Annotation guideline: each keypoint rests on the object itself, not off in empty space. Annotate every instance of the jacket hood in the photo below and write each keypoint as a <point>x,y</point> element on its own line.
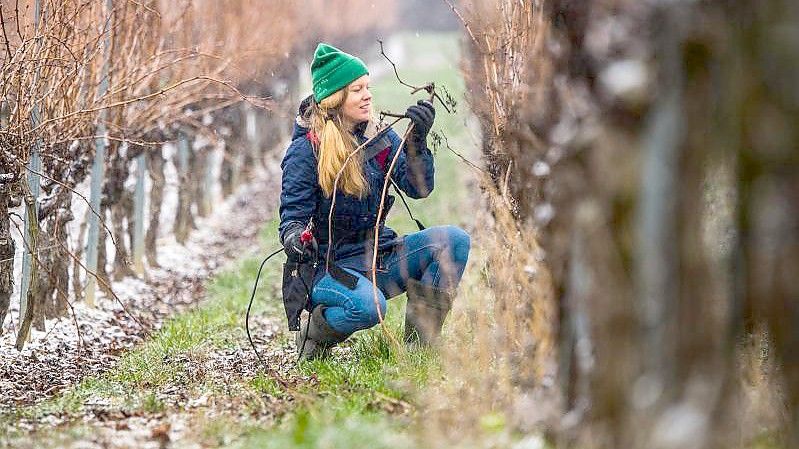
<point>300,129</point>
<point>301,123</point>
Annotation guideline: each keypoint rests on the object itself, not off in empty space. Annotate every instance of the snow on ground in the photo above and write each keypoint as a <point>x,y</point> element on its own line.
<point>107,330</point>
<point>80,211</point>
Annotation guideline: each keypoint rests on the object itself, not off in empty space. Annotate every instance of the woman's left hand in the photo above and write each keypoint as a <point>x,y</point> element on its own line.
<point>422,115</point>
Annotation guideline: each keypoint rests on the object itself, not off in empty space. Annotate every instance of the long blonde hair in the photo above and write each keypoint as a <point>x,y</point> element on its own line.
<point>335,144</point>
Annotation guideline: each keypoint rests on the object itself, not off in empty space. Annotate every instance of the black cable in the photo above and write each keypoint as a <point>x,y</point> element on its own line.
<point>252,299</point>
<point>249,306</point>
<point>402,197</point>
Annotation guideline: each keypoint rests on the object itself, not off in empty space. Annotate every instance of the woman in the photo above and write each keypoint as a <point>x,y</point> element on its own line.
<point>428,265</point>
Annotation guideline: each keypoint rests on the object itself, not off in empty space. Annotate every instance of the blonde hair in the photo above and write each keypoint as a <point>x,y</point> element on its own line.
<point>335,144</point>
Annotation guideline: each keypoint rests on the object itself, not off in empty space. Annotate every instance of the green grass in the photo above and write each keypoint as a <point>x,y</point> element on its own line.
<point>354,388</point>
<point>133,383</point>
<point>321,428</point>
<point>266,385</point>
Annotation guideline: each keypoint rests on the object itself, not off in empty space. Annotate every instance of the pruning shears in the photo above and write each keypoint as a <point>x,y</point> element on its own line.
<point>307,238</point>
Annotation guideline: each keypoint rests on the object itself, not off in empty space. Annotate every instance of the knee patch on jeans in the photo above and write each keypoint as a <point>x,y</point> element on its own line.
<point>461,243</point>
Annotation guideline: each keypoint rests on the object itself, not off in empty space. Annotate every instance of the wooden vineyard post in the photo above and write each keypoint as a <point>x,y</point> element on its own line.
<point>253,140</point>
<point>208,181</point>
<point>138,215</point>
<point>183,218</point>
<point>31,236</point>
<point>31,220</point>
<point>98,168</point>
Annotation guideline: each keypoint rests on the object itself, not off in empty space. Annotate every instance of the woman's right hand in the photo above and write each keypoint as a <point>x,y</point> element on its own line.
<point>296,248</point>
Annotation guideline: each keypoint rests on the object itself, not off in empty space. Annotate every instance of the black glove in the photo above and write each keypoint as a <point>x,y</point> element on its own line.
<point>422,115</point>
<point>295,249</point>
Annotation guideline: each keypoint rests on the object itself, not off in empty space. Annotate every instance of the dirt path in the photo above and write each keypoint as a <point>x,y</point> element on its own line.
<point>55,360</point>
<point>188,407</point>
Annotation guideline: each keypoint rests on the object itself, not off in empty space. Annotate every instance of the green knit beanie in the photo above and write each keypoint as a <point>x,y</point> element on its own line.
<point>333,69</point>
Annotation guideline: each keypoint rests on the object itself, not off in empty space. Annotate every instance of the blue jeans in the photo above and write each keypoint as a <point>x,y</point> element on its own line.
<point>436,256</point>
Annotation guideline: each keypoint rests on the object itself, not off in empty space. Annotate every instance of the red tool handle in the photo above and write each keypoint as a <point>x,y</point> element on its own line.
<point>307,235</point>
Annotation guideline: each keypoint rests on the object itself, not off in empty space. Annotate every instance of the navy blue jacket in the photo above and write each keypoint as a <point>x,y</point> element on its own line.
<point>354,219</point>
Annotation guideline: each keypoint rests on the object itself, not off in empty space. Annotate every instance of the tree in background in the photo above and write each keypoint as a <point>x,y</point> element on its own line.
<point>651,148</point>
<point>129,77</point>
